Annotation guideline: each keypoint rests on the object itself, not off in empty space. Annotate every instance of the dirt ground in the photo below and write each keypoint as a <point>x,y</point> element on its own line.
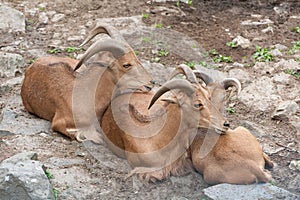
<point>212,24</point>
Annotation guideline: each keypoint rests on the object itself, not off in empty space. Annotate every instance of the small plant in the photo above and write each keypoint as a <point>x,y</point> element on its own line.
<point>297,59</point>
<point>41,9</point>
<point>190,2</point>
<point>48,174</point>
<point>220,58</point>
<point>146,16</point>
<point>163,53</point>
<point>178,3</point>
<point>55,192</point>
<point>230,110</point>
<point>191,64</point>
<point>33,60</point>
<point>136,52</point>
<point>293,73</point>
<point>71,49</point>
<point>158,25</point>
<point>231,44</point>
<point>263,54</point>
<point>296,46</point>
<point>146,39</point>
<point>296,29</point>
<point>54,51</point>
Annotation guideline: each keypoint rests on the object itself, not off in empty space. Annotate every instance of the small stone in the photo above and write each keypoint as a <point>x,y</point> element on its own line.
<point>257,23</point>
<point>285,110</point>
<point>43,18</point>
<point>241,41</point>
<point>57,17</point>
<point>295,165</point>
<point>10,64</point>
<point>267,30</point>
<point>280,47</point>
<point>75,38</point>
<point>276,53</point>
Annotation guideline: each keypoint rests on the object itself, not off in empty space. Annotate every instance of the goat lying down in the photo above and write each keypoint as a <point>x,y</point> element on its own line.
<point>75,101</point>
<point>236,156</point>
<point>155,142</point>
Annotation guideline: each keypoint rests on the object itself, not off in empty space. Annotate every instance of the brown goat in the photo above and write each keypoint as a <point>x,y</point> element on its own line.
<point>75,101</point>
<point>235,157</point>
<point>155,144</point>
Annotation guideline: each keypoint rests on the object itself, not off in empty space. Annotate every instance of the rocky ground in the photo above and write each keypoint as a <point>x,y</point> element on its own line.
<point>218,37</point>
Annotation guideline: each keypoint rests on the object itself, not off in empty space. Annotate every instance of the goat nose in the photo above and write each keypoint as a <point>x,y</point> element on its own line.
<point>152,82</point>
<point>226,124</point>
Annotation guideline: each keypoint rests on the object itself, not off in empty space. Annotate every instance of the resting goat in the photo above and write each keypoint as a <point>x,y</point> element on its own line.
<point>236,157</point>
<point>74,101</point>
<point>155,144</point>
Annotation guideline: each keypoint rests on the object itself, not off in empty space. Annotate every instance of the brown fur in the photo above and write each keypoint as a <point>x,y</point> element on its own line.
<point>48,91</point>
<point>133,133</point>
<point>236,158</point>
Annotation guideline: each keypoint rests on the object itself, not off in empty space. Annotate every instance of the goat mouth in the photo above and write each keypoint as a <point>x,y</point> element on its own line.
<point>220,131</point>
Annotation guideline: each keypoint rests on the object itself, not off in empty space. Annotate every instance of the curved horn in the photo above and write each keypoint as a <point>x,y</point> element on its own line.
<point>116,47</point>
<point>206,78</point>
<point>173,84</point>
<point>232,82</point>
<point>185,70</point>
<point>103,28</point>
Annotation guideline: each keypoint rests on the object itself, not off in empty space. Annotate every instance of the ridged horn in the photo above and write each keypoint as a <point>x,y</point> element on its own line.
<point>185,70</point>
<point>182,84</point>
<point>232,82</point>
<point>203,76</point>
<point>117,48</point>
<point>106,29</point>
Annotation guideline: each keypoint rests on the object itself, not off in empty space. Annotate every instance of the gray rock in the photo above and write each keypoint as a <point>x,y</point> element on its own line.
<point>294,183</point>
<point>248,192</point>
<point>281,78</point>
<point>257,23</point>
<point>285,110</point>
<point>10,64</point>
<point>240,74</point>
<point>276,53</point>
<point>241,41</point>
<point>159,72</point>
<point>283,65</point>
<point>295,121</point>
<point>12,82</point>
<point>11,20</point>
<point>75,38</point>
<point>261,94</point>
<point>164,1</point>
<point>16,120</point>
<point>57,17</point>
<point>268,29</point>
<point>22,177</point>
<point>43,18</point>
<point>295,165</point>
<point>253,128</point>
<point>135,31</point>
<point>55,162</point>
<point>280,47</point>
<point>271,148</point>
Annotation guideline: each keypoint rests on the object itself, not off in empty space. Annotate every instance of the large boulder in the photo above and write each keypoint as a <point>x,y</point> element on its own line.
<point>11,20</point>
<point>22,177</point>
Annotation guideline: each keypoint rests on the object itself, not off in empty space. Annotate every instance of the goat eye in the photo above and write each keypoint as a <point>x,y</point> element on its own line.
<point>198,105</point>
<point>127,65</point>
